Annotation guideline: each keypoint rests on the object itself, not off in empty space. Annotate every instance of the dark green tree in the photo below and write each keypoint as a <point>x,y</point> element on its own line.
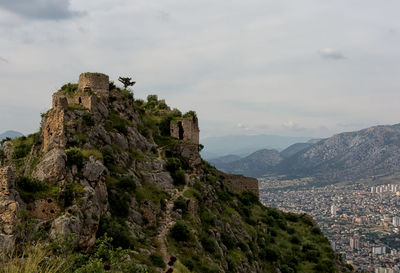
<point>126,81</point>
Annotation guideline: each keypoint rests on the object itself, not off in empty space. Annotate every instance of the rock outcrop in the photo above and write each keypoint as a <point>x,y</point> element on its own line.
<point>10,204</point>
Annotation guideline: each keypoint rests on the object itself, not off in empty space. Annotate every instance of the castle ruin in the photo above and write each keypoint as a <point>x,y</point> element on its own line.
<point>90,87</point>
<point>240,183</point>
<point>185,129</point>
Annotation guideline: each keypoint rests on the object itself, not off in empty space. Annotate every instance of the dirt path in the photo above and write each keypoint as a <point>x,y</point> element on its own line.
<point>167,223</point>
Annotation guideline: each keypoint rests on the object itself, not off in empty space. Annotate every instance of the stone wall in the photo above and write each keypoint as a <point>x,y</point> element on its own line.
<point>60,100</point>
<point>240,183</point>
<point>185,129</point>
<point>96,82</point>
<point>53,129</point>
<point>9,207</point>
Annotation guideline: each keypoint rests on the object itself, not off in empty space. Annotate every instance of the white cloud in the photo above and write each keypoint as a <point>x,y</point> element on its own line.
<point>329,53</point>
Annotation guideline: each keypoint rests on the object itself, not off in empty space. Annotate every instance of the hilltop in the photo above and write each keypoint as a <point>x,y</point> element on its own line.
<point>113,183</point>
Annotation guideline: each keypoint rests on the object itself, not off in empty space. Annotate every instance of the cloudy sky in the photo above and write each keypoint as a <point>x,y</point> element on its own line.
<point>296,68</point>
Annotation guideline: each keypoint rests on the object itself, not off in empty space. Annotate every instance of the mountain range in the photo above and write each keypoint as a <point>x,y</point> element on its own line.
<point>243,145</point>
<point>366,153</point>
<point>10,134</point>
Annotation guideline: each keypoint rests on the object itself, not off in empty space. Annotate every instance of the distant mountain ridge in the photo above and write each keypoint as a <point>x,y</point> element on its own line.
<point>369,152</point>
<point>244,145</point>
<point>10,134</point>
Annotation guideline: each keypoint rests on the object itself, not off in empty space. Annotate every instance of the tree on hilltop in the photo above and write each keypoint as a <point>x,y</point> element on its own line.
<point>126,81</point>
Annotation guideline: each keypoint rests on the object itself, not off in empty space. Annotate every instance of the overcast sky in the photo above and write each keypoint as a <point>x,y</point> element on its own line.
<point>296,68</point>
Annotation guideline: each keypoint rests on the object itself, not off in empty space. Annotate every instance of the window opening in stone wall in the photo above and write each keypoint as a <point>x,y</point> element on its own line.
<point>180,126</point>
<point>80,100</point>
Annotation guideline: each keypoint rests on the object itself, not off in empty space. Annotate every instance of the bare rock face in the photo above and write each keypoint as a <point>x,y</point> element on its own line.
<point>93,170</point>
<point>9,206</point>
<point>53,130</point>
<point>52,167</point>
<point>83,221</point>
<point>190,153</point>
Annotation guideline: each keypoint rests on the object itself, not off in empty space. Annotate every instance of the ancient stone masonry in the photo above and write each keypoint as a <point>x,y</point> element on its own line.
<point>9,207</point>
<point>241,183</point>
<point>185,129</point>
<point>95,82</point>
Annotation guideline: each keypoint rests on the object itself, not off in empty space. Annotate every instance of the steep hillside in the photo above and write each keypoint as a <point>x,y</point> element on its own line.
<point>254,165</point>
<point>370,152</point>
<point>294,149</point>
<point>366,153</point>
<point>112,183</point>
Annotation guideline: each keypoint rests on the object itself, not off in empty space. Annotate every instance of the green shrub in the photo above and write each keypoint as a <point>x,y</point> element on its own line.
<point>180,232</point>
<point>31,189</point>
<point>88,119</point>
<point>69,88</point>
<point>21,150</point>
<point>157,260</point>
<point>127,183</point>
<point>188,262</point>
<point>248,198</point>
<point>108,156</point>
<point>206,217</point>
<point>116,229</point>
<point>180,203</point>
<point>207,242</point>
<point>74,157</point>
<point>71,191</point>
<point>119,203</point>
<point>270,254</point>
<point>316,230</point>
<point>227,240</point>
<point>119,123</point>
<point>179,177</point>
<point>295,240</point>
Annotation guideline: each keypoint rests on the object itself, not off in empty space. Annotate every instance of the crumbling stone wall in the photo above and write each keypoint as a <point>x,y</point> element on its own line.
<point>9,207</point>
<point>96,82</point>
<point>240,183</point>
<point>60,100</point>
<point>44,209</point>
<point>185,129</point>
<point>53,129</point>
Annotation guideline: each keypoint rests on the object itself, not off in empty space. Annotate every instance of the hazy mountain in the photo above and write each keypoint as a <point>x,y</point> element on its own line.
<point>294,149</point>
<point>370,152</point>
<point>224,159</point>
<point>244,145</point>
<point>10,134</point>
<point>254,165</point>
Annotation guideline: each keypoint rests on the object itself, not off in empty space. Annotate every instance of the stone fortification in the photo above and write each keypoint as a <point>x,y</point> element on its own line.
<point>240,183</point>
<point>83,99</point>
<point>96,82</point>
<point>185,129</point>
<point>9,207</point>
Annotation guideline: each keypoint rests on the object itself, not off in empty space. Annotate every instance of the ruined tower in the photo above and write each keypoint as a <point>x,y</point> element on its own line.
<point>185,129</point>
<point>98,83</point>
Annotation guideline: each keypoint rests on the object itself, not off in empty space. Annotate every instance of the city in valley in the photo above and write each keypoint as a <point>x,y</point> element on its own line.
<point>361,219</point>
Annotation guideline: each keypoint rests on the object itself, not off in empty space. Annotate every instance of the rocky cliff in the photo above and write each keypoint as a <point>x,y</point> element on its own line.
<point>107,188</point>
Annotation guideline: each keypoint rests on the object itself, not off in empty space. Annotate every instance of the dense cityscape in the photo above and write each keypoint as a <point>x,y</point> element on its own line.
<point>361,220</point>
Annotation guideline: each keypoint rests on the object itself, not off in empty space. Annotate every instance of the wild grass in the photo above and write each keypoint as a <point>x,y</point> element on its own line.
<point>32,259</point>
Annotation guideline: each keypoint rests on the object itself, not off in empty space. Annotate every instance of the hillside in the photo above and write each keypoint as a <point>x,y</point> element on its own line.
<point>244,145</point>
<point>366,153</point>
<point>254,165</point>
<point>370,152</point>
<point>112,183</point>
